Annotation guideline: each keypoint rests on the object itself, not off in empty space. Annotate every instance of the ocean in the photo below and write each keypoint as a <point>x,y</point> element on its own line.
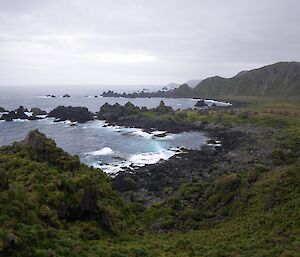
<point>110,148</point>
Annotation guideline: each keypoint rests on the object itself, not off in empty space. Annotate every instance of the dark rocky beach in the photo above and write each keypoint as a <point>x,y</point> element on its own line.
<point>232,147</point>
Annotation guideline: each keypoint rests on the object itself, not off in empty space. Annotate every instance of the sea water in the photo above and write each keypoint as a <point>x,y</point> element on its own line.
<point>110,148</point>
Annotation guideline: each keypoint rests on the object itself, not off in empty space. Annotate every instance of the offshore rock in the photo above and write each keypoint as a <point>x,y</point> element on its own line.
<point>79,114</point>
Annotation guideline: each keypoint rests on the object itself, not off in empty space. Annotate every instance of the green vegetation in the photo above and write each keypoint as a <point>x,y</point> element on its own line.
<point>255,214</point>
<point>50,202</point>
<point>276,80</point>
<point>51,205</point>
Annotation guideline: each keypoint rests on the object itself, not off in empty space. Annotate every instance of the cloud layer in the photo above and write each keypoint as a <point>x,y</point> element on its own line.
<point>142,42</point>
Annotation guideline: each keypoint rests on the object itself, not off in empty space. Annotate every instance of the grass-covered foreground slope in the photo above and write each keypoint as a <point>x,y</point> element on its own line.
<point>51,205</point>
<point>254,214</point>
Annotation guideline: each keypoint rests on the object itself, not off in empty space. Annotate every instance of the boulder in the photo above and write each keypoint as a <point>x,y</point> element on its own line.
<point>37,111</point>
<point>8,116</point>
<point>201,103</point>
<point>66,95</point>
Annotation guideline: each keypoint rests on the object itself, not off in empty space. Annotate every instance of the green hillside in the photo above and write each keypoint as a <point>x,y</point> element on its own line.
<point>276,80</point>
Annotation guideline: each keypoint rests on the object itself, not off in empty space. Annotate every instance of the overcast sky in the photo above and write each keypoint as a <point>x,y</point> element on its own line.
<point>142,41</point>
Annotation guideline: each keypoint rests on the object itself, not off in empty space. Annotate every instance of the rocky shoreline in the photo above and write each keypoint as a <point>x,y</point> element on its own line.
<point>231,148</point>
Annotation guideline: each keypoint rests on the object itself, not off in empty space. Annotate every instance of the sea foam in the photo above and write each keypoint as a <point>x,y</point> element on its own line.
<point>143,159</point>
<point>142,133</point>
<point>103,151</point>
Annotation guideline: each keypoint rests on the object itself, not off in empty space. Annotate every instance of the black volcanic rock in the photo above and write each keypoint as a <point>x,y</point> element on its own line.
<point>21,109</point>
<point>13,115</point>
<point>2,109</point>
<point>8,116</point>
<point>79,114</point>
<point>66,95</point>
<point>17,114</point>
<point>110,93</point>
<point>37,111</point>
<point>201,103</point>
<point>21,113</point>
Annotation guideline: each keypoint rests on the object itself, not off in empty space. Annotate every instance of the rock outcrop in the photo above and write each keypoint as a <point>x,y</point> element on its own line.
<point>201,103</point>
<point>79,114</point>
<point>3,110</point>
<point>17,114</point>
<point>21,109</point>
<point>41,148</point>
<point>112,113</point>
<point>37,111</point>
<point>133,116</point>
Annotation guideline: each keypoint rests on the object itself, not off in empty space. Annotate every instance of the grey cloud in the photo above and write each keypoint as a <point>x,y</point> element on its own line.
<point>142,42</point>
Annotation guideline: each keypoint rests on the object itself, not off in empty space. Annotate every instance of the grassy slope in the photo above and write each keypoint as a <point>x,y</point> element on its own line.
<point>35,181</point>
<point>239,214</point>
<point>263,221</point>
<point>277,80</point>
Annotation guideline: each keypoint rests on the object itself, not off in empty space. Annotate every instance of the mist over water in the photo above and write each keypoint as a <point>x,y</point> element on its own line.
<point>83,89</point>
